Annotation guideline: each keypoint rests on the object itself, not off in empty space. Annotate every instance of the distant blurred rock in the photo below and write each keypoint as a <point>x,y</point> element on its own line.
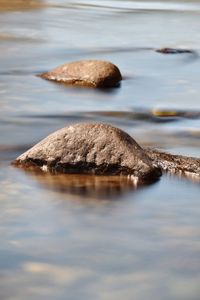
<point>174,51</point>
<point>90,148</point>
<point>93,73</point>
<point>20,5</point>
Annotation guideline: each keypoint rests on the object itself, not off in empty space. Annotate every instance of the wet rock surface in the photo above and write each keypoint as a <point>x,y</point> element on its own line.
<point>175,164</point>
<point>91,73</point>
<point>90,148</point>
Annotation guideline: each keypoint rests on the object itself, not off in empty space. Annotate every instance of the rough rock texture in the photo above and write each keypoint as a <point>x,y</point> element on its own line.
<point>90,148</point>
<point>94,73</point>
<point>183,165</point>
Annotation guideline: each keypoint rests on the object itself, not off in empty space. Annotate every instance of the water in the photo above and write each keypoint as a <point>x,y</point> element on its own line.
<point>82,237</point>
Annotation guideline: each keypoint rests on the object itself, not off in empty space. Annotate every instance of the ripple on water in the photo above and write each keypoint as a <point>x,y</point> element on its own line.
<point>134,5</point>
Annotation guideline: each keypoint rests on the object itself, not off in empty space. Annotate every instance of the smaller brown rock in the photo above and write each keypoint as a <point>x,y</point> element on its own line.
<point>92,73</point>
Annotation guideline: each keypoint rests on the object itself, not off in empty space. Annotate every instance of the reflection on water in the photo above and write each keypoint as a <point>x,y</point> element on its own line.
<point>87,186</point>
<point>146,244</point>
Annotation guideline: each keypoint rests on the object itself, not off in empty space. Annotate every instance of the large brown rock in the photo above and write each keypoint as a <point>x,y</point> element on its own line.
<point>90,148</point>
<point>94,73</point>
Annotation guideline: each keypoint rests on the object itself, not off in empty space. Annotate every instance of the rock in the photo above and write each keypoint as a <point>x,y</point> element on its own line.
<point>92,73</point>
<point>176,164</point>
<point>174,51</point>
<point>90,148</point>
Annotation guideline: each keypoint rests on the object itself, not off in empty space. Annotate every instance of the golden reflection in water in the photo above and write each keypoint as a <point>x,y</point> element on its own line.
<point>86,186</point>
<point>59,275</point>
<point>14,5</point>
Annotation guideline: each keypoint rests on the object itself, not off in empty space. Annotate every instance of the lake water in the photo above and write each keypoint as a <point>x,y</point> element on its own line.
<point>87,237</point>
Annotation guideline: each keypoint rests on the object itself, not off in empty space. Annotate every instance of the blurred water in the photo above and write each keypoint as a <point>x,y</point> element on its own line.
<point>87,237</point>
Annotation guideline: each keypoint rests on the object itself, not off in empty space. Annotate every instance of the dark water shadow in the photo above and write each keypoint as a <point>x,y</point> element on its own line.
<point>71,117</point>
<point>139,115</point>
<point>186,54</point>
<point>113,50</point>
<point>131,117</point>
<point>145,115</point>
<point>154,116</point>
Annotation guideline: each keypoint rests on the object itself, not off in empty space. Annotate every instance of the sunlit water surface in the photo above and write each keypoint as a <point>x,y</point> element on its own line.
<point>81,237</point>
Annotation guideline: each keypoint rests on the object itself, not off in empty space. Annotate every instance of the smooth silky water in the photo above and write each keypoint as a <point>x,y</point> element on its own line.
<point>86,237</point>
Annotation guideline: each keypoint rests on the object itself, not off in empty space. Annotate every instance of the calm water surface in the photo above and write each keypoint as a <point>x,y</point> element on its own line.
<point>81,237</point>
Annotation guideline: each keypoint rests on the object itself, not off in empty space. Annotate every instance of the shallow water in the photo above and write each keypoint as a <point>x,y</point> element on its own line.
<point>82,237</point>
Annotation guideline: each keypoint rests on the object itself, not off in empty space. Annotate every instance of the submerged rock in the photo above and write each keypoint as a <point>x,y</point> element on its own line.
<point>94,73</point>
<point>90,148</point>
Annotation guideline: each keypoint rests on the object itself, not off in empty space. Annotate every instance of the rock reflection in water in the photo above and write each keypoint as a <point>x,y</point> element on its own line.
<point>87,186</point>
